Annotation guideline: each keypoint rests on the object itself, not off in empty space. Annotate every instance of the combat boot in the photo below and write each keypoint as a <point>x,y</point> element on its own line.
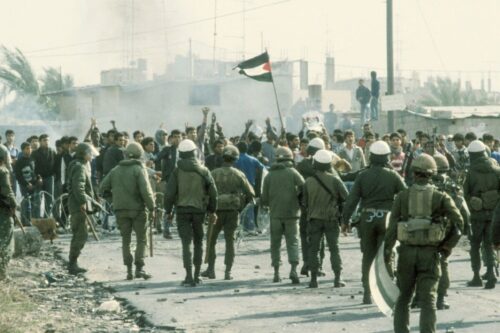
<point>188,281</point>
<point>74,269</point>
<point>367,298</point>
<point>304,270</point>
<point>140,273</point>
<point>441,303</point>
<point>130,276</point>
<point>314,280</point>
<point>293,274</point>
<point>196,277</point>
<point>321,272</point>
<point>476,281</point>
<point>338,283</point>
<point>227,274</point>
<point>491,279</point>
<point>209,273</point>
<point>277,277</point>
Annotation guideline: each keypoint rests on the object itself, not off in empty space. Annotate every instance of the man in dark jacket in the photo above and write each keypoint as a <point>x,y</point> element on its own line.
<point>363,96</point>
<point>114,154</point>
<point>192,190</point>
<point>481,191</point>
<point>44,158</point>
<point>375,96</point>
<point>374,189</point>
<point>24,170</point>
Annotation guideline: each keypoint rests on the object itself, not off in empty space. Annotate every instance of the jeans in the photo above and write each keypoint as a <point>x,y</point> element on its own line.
<point>26,207</point>
<point>374,108</point>
<point>365,113</point>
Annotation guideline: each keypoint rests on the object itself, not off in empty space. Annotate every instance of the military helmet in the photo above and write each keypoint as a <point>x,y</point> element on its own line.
<point>231,151</point>
<point>4,153</point>
<point>476,146</point>
<point>442,163</point>
<point>424,163</point>
<point>284,153</point>
<point>380,148</point>
<point>134,150</point>
<point>83,149</point>
<point>323,156</point>
<point>186,146</point>
<point>317,143</point>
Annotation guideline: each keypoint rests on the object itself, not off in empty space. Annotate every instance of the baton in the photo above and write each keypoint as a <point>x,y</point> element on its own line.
<point>151,233</point>
<point>210,231</point>
<point>16,220</point>
<point>91,226</point>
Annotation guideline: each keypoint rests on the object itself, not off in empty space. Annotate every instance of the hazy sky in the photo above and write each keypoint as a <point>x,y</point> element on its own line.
<point>457,37</point>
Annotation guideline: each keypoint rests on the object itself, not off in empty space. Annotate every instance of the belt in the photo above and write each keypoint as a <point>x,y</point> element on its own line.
<point>374,210</point>
<point>374,213</point>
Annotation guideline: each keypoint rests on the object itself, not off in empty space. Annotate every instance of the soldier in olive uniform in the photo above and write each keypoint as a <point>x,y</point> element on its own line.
<point>306,170</point>
<point>481,190</point>
<point>324,193</point>
<point>426,222</point>
<point>234,192</point>
<point>79,190</point>
<point>374,188</point>
<point>192,190</point>
<point>133,199</point>
<point>281,193</point>
<point>7,209</point>
<point>445,184</point>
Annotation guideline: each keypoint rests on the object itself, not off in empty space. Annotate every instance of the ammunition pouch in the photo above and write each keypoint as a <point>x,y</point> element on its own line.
<point>420,232</point>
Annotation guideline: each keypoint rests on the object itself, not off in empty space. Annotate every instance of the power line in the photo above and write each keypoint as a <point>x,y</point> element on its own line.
<point>175,26</point>
<point>430,35</point>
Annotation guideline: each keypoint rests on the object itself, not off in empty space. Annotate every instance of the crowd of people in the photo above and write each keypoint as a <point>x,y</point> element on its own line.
<point>315,184</point>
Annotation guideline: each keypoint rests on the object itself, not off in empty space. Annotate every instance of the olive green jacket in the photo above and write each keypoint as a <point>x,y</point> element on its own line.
<point>7,195</point>
<point>282,191</point>
<point>318,203</point>
<point>79,186</point>
<point>129,185</point>
<point>374,187</point>
<point>231,181</point>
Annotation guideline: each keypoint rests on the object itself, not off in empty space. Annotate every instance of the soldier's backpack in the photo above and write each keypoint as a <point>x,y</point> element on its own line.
<point>420,229</point>
<point>227,198</point>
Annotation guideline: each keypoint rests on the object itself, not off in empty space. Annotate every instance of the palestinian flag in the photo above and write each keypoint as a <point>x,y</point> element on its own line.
<point>257,68</point>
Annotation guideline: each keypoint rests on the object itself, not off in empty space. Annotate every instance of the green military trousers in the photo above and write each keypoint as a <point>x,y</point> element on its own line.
<point>315,231</point>
<point>227,221</point>
<point>190,227</point>
<point>80,234</point>
<point>290,228</point>
<point>6,232</point>
<point>444,280</point>
<point>372,233</point>
<point>417,265</point>
<point>128,221</point>
<point>481,236</point>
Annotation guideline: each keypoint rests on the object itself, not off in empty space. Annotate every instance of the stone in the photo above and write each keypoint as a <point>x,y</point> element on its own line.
<point>111,306</point>
<point>29,243</point>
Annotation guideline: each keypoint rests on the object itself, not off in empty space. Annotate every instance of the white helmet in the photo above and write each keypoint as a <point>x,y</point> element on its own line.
<point>323,156</point>
<point>476,146</point>
<point>380,148</point>
<point>186,146</point>
<point>317,143</point>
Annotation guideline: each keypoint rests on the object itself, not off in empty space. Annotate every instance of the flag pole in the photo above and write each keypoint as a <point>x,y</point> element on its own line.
<point>276,98</point>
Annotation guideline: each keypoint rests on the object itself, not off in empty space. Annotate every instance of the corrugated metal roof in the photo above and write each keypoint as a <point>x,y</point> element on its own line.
<point>461,112</point>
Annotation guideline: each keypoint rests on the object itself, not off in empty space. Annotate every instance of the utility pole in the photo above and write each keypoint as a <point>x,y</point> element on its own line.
<point>390,66</point>
<point>390,55</point>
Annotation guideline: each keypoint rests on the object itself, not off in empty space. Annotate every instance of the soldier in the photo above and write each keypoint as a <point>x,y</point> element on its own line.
<point>374,188</point>
<point>324,193</point>
<point>234,192</point>
<point>7,209</point>
<point>192,190</point>
<point>445,184</point>
<point>79,190</point>
<point>418,222</point>
<point>306,170</point>
<point>481,186</point>
<point>281,193</point>
<point>133,199</point>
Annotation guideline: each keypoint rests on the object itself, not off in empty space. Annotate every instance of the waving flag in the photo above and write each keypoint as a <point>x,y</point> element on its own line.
<point>257,68</point>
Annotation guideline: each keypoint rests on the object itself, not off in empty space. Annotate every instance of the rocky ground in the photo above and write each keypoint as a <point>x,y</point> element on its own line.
<point>42,297</point>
